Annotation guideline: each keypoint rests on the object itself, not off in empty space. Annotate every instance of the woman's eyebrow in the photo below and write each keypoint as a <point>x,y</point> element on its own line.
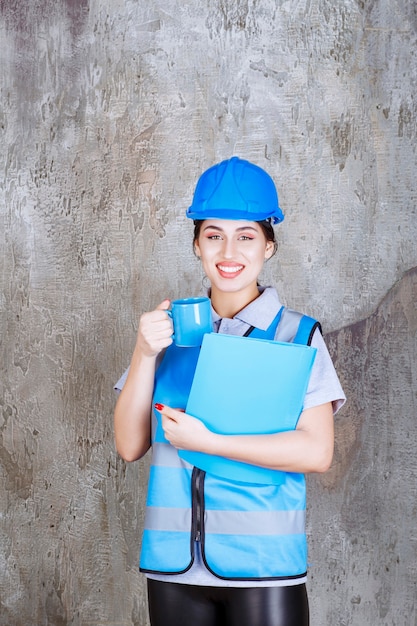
<point>241,228</point>
<point>247,228</point>
<point>212,228</point>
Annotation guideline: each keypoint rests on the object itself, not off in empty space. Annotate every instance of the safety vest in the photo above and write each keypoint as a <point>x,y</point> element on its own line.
<point>247,531</point>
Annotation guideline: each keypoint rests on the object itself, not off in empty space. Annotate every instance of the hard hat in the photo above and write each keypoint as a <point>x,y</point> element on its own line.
<point>235,190</point>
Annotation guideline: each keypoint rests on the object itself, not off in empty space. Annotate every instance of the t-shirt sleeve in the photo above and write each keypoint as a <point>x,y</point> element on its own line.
<point>119,385</point>
<point>324,385</point>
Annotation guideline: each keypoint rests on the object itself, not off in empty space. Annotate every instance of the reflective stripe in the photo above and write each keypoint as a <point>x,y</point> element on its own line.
<point>255,522</point>
<point>165,455</point>
<point>288,325</point>
<point>163,518</point>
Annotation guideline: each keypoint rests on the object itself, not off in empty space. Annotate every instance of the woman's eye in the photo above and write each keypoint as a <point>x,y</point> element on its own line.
<point>218,236</point>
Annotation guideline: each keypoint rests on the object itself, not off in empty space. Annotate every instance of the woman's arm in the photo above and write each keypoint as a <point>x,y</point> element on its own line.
<point>309,448</point>
<point>132,415</point>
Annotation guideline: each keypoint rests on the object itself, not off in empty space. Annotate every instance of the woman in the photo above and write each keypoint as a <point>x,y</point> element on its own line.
<point>255,575</point>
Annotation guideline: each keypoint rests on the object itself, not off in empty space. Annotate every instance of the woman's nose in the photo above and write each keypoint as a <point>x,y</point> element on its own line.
<point>228,248</point>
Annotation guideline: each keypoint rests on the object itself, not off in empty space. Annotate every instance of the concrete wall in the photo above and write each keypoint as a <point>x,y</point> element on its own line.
<point>109,111</point>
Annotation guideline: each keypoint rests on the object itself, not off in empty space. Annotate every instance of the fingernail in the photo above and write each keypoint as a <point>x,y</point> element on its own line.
<point>158,406</point>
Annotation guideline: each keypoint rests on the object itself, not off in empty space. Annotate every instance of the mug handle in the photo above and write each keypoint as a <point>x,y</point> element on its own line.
<point>169,313</point>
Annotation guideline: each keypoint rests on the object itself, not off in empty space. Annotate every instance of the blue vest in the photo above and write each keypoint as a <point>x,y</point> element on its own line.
<point>246,531</point>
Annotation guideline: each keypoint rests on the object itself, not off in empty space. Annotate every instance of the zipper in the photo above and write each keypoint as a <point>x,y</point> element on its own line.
<point>198,502</point>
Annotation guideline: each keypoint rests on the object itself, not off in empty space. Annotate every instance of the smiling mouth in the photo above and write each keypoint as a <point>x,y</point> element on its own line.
<point>229,270</point>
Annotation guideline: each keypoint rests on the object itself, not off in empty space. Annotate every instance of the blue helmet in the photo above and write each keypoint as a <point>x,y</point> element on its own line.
<point>235,190</point>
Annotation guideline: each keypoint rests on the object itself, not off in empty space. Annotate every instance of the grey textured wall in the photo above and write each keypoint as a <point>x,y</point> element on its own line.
<point>109,111</point>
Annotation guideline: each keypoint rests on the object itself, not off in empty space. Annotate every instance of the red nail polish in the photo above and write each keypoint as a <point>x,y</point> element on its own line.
<point>158,406</point>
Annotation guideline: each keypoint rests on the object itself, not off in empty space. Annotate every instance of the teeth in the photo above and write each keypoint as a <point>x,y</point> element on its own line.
<point>230,270</point>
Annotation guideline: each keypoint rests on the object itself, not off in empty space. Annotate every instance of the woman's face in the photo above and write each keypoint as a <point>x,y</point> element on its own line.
<point>233,253</point>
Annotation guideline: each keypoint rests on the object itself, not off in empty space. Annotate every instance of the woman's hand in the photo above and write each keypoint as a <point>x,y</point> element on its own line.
<point>183,431</point>
<point>155,330</point>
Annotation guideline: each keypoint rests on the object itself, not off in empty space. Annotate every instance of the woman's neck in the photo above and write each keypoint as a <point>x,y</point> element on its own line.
<point>227,304</point>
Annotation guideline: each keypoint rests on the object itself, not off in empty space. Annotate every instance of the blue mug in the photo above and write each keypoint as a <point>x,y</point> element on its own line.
<point>191,318</point>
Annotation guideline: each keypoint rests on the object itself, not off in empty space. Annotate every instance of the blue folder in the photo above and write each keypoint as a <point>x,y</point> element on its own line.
<point>246,386</point>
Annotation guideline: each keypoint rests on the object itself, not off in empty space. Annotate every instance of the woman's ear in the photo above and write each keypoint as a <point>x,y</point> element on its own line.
<point>269,249</point>
<point>197,250</point>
